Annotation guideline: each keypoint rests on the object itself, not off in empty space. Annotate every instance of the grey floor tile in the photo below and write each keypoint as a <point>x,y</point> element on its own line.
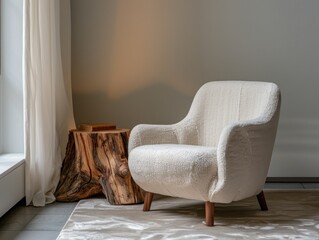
<point>14,222</point>
<point>62,205</point>
<point>24,210</point>
<point>9,235</point>
<point>47,223</point>
<point>50,209</point>
<point>57,209</point>
<point>29,235</point>
<point>311,185</point>
<point>283,186</point>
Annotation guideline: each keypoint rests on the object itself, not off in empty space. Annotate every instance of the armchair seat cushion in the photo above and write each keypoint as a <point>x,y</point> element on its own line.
<point>174,169</point>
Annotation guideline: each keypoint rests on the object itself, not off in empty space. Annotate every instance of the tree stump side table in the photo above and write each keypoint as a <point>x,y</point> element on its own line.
<point>97,162</point>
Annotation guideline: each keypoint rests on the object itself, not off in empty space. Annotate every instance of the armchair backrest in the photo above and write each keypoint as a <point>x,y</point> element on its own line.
<point>218,104</point>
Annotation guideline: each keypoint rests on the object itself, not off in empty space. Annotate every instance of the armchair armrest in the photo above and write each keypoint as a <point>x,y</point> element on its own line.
<point>183,132</point>
<point>243,157</point>
<point>144,134</point>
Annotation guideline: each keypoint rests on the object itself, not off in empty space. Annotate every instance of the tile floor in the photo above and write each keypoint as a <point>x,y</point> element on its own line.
<point>46,223</point>
<point>43,223</point>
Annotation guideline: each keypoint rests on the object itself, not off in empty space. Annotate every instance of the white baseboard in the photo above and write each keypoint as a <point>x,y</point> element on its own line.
<point>293,179</point>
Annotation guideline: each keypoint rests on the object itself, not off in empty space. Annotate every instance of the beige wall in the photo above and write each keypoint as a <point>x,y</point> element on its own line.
<point>142,62</point>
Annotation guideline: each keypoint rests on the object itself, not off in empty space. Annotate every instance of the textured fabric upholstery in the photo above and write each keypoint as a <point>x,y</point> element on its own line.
<point>230,131</point>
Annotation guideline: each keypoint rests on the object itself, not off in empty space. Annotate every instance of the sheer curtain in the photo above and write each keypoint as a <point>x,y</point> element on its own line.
<point>47,95</point>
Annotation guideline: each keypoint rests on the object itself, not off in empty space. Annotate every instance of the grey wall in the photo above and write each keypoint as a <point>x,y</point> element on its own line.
<point>142,62</point>
<point>11,96</point>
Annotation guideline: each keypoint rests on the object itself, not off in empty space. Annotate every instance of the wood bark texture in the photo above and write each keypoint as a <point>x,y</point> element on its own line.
<point>97,162</point>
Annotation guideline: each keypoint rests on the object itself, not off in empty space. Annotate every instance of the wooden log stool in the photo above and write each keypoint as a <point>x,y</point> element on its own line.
<point>97,162</point>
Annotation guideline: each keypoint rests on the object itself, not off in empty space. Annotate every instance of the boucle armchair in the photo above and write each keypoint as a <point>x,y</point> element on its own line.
<point>219,153</point>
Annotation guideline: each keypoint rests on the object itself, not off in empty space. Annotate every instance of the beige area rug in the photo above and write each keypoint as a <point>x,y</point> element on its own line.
<point>291,215</point>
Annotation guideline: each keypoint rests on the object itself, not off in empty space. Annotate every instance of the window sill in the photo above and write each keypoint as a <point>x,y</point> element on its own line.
<point>9,162</point>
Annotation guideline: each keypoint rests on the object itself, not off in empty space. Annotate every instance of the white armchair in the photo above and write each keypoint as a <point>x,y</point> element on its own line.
<point>219,153</point>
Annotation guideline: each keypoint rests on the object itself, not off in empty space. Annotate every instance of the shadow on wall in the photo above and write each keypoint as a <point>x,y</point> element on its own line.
<point>135,62</point>
<point>162,103</point>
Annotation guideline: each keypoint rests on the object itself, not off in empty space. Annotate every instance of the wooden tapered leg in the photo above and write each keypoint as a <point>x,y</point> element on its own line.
<point>209,213</point>
<point>147,201</point>
<point>262,201</point>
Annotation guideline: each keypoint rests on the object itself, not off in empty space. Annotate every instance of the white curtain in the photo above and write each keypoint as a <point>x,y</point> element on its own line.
<point>47,95</point>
